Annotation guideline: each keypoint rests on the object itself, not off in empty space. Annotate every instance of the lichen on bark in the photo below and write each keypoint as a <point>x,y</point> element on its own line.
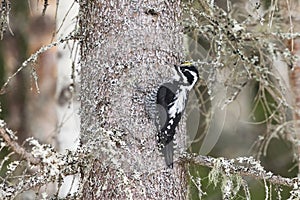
<point>128,49</point>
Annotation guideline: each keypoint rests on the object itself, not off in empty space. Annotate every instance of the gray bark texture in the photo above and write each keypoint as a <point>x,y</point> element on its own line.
<point>128,49</point>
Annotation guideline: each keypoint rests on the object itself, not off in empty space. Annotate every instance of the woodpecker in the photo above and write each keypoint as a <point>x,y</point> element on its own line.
<point>171,100</point>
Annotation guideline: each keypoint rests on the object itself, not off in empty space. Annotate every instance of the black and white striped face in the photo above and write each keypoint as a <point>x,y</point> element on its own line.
<point>187,74</point>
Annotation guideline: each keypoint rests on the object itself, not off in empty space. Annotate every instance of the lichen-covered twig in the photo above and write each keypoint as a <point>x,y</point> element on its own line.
<point>4,17</point>
<point>34,57</point>
<point>243,166</point>
<point>10,140</point>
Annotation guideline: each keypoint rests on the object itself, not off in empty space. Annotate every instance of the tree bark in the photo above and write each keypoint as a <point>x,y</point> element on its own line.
<point>128,49</point>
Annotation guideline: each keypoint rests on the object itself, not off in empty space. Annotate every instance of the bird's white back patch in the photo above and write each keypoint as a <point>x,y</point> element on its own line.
<point>178,106</point>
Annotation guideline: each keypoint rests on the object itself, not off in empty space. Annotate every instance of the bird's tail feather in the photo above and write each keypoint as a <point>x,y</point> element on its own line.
<point>168,152</point>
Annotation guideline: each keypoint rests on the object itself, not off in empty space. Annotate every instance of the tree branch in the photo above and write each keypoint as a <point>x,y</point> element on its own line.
<point>34,57</point>
<point>16,147</point>
<point>242,166</point>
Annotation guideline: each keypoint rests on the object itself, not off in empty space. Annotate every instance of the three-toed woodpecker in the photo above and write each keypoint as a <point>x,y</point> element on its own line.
<point>171,99</point>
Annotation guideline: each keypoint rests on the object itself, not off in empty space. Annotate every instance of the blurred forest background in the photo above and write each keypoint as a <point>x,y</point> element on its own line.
<point>49,111</point>
<point>32,109</point>
<point>255,124</point>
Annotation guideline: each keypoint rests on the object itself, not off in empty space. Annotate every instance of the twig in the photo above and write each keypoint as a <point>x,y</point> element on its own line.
<point>240,169</point>
<point>34,57</point>
<point>17,148</point>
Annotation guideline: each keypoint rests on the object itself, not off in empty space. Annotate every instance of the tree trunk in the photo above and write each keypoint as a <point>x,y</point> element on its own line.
<point>128,50</point>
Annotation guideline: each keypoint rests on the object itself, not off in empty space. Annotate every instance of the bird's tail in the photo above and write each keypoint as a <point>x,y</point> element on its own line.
<point>168,152</point>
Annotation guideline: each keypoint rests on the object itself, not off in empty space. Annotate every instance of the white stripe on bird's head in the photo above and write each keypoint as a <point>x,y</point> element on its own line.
<point>178,75</point>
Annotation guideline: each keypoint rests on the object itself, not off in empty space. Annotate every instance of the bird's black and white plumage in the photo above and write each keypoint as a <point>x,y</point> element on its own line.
<point>171,101</point>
